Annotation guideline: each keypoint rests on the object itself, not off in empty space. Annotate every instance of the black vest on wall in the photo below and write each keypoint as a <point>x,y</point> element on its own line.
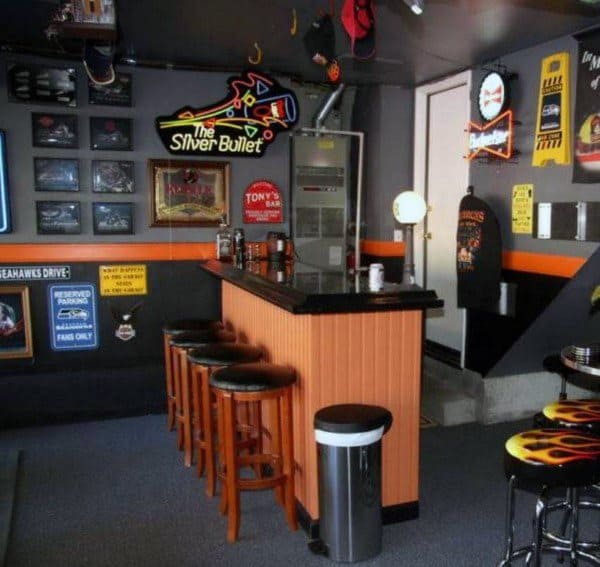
<point>478,254</point>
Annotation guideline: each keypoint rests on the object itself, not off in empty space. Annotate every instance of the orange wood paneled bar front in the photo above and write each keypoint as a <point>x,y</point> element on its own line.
<point>370,358</point>
<point>346,347</point>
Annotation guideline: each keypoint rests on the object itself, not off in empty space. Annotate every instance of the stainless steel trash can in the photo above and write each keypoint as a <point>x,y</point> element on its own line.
<point>349,469</point>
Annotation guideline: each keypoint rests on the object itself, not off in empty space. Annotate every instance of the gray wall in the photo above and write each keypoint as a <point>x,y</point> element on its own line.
<point>155,92</point>
<point>386,115</point>
<point>493,182</point>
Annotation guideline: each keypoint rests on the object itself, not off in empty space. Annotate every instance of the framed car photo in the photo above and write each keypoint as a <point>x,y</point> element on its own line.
<point>15,322</point>
<point>111,133</point>
<point>118,93</point>
<point>54,130</point>
<point>112,218</point>
<point>112,176</point>
<point>58,217</point>
<point>56,174</point>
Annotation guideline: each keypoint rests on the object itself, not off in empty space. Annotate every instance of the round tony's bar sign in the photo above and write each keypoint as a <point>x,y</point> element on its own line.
<point>493,97</point>
<point>262,203</point>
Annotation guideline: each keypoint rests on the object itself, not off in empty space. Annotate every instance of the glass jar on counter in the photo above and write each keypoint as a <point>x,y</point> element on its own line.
<point>224,242</point>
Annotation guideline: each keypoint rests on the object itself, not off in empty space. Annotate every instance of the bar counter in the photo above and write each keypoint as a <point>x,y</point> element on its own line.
<point>347,345</point>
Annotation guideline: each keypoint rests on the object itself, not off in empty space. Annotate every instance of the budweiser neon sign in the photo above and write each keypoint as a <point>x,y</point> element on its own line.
<point>494,138</point>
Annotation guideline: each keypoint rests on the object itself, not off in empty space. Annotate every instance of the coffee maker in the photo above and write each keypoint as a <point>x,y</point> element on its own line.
<point>276,243</point>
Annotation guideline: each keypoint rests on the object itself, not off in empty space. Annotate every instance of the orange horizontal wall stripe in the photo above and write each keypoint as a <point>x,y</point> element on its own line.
<point>133,252</point>
<point>547,264</point>
<point>533,262</point>
<point>382,248</point>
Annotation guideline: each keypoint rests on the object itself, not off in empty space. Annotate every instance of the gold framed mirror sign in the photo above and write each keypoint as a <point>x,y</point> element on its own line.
<point>188,193</point>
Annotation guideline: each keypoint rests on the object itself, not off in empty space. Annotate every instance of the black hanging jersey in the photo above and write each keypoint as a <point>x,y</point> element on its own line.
<point>478,254</point>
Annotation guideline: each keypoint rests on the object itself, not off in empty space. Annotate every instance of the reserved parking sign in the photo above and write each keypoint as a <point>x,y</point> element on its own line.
<point>73,317</point>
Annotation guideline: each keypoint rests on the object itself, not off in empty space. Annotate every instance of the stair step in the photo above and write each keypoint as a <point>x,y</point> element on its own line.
<point>448,397</point>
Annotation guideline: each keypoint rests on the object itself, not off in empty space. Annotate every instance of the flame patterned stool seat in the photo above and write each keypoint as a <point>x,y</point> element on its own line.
<point>203,361</point>
<point>171,329</point>
<point>576,414</point>
<point>543,459</point>
<point>264,383</point>
<point>179,345</point>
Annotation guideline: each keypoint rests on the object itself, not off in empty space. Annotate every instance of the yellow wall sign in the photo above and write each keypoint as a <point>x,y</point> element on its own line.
<point>522,209</point>
<point>123,279</point>
<point>552,132</point>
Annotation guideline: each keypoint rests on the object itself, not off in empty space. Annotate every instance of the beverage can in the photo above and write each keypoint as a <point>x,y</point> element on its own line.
<point>375,277</point>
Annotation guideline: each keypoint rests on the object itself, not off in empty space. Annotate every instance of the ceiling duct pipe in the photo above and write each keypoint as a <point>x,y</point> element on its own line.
<point>328,105</point>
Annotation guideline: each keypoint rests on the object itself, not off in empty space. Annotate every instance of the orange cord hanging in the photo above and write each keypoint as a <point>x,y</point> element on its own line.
<point>294,26</point>
<point>258,57</point>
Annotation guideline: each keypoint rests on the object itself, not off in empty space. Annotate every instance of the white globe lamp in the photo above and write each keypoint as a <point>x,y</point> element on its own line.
<point>409,208</point>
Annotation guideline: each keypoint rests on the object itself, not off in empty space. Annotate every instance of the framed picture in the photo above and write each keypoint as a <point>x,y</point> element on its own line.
<point>5,218</point>
<point>36,84</point>
<point>188,193</point>
<point>117,93</point>
<point>58,217</point>
<point>111,133</point>
<point>56,174</point>
<point>54,130</point>
<point>112,218</point>
<point>110,176</point>
<point>15,322</point>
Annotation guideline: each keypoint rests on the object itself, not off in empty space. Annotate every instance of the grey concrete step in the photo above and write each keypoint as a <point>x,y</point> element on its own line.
<point>450,396</point>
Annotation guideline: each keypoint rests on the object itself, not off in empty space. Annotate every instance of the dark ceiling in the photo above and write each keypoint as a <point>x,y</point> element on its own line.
<point>214,34</point>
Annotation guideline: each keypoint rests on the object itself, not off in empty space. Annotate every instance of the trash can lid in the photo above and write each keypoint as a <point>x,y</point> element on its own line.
<point>352,418</point>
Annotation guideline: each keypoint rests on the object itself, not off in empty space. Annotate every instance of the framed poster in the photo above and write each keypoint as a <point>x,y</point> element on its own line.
<point>36,84</point>
<point>112,218</point>
<point>117,93</point>
<point>58,217</point>
<point>54,130</point>
<point>112,176</point>
<point>15,322</point>
<point>56,174</point>
<point>111,133</point>
<point>188,193</point>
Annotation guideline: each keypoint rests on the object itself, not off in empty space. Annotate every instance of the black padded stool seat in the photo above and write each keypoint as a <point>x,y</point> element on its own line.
<point>224,354</point>
<point>253,377</point>
<point>193,339</point>
<point>184,325</point>
<point>576,414</point>
<point>553,457</point>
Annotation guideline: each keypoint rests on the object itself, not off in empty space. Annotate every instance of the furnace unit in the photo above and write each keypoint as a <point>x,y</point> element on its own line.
<point>321,201</point>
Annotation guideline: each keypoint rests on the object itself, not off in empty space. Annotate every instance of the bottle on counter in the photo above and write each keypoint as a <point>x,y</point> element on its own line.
<point>224,242</point>
<point>239,246</point>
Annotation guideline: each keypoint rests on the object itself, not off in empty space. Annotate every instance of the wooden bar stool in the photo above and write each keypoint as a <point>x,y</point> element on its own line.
<point>256,382</point>
<point>171,329</point>
<point>180,344</point>
<point>203,361</point>
<point>541,460</point>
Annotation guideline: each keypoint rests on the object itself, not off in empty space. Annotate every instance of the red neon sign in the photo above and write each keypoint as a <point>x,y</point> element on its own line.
<point>493,138</point>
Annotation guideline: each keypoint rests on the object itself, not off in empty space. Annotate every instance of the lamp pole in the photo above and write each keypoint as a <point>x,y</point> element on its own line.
<point>408,271</point>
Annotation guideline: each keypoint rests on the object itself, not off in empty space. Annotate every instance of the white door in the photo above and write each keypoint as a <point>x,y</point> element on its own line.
<point>442,112</point>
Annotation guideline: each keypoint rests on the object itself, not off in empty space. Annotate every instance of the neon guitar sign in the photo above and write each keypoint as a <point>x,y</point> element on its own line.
<point>243,124</point>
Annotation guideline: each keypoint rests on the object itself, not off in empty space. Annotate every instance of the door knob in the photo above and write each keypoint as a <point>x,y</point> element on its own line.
<point>428,236</point>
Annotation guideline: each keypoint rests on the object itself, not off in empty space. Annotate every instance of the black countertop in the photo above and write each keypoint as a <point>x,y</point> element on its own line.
<point>300,288</point>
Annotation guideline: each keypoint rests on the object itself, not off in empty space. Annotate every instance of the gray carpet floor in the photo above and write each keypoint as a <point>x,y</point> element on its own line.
<point>115,493</point>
